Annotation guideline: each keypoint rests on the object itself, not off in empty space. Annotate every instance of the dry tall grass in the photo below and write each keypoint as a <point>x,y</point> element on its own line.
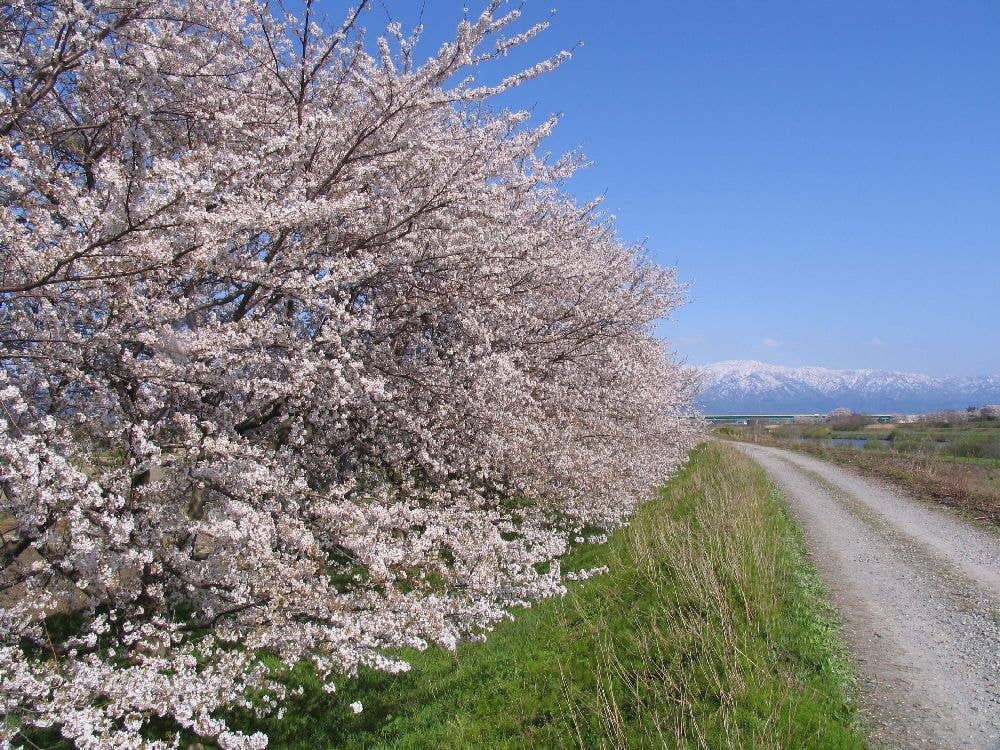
<point>726,642</point>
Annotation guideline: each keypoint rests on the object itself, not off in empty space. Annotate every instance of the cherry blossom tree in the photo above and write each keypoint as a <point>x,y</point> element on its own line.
<point>304,351</point>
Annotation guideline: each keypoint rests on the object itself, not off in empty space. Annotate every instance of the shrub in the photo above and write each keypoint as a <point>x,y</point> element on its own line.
<point>817,432</point>
<point>850,422</point>
<point>976,445</point>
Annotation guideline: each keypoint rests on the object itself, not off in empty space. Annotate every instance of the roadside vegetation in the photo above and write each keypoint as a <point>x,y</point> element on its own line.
<point>955,463</point>
<point>709,631</point>
<point>954,439</point>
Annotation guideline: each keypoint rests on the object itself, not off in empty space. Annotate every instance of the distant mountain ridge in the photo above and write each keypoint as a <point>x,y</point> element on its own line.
<point>752,387</point>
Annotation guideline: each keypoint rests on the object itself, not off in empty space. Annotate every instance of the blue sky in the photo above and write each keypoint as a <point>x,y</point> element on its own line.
<point>826,175</point>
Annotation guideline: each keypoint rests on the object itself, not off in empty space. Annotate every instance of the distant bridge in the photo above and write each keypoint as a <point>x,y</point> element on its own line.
<point>777,418</point>
<point>745,418</point>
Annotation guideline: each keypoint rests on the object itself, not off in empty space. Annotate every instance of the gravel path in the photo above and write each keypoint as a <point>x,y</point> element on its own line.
<point>918,590</point>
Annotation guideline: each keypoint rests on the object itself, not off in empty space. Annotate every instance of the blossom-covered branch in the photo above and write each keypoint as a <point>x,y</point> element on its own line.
<point>303,352</point>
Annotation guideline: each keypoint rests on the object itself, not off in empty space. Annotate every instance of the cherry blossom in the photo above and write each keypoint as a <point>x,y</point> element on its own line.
<point>305,352</point>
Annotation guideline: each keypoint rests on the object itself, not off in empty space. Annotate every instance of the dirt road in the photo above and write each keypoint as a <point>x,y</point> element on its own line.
<point>918,590</point>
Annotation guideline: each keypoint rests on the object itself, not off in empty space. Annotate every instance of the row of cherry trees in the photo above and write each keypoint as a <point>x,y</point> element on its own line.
<point>304,352</point>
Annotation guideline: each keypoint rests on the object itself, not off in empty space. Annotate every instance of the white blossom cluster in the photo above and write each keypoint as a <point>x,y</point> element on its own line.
<point>303,352</point>
<point>583,575</point>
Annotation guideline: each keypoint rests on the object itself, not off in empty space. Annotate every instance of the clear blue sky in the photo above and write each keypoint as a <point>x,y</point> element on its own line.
<point>826,174</point>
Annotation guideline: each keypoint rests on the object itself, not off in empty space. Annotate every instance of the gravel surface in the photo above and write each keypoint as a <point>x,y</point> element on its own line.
<point>918,590</point>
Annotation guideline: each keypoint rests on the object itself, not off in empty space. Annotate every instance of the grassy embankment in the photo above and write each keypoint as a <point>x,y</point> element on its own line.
<point>952,466</point>
<point>709,631</point>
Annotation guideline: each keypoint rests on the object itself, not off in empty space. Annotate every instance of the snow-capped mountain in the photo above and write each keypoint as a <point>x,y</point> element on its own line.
<point>751,387</point>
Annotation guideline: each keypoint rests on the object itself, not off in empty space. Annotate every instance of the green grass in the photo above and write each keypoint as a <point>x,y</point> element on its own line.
<point>710,631</point>
<point>991,462</point>
<point>976,445</point>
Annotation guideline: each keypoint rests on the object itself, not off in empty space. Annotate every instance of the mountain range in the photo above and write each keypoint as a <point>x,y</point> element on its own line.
<point>751,387</point>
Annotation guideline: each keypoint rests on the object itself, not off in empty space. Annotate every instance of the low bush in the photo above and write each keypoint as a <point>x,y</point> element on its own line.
<point>914,443</point>
<point>848,422</point>
<point>817,432</point>
<point>976,445</point>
